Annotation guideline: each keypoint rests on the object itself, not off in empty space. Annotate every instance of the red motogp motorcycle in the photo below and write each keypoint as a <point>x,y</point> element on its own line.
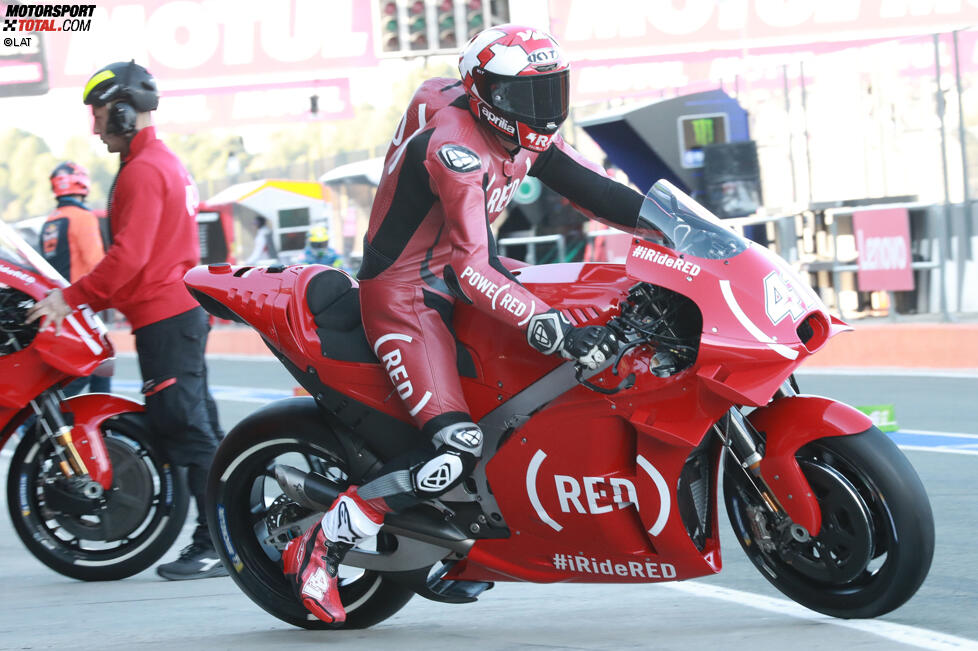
<point>90,493</point>
<point>609,475</point>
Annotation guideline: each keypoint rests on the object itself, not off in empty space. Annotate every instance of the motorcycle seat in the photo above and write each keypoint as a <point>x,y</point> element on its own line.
<point>335,306</point>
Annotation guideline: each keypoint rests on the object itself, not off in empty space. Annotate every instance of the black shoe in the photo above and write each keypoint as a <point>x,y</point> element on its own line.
<point>196,562</point>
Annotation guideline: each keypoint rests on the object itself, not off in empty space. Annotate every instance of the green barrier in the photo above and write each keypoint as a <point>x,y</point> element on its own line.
<point>883,416</point>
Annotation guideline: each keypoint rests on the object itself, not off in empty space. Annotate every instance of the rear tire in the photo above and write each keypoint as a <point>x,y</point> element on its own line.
<point>877,538</point>
<point>140,518</point>
<point>243,498</point>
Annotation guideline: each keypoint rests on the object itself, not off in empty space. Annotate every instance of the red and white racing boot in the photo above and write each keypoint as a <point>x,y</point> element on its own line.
<point>311,562</point>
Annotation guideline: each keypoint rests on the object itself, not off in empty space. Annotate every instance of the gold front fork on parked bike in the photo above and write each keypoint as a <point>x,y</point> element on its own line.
<point>48,411</point>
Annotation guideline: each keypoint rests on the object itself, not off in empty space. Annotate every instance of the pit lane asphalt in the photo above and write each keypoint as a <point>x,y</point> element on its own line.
<point>42,609</point>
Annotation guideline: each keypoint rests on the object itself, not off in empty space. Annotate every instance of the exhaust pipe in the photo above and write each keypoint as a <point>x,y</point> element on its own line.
<point>307,489</point>
<point>315,492</point>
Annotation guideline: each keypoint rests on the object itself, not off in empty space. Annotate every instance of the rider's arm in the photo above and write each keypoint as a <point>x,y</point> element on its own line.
<point>474,272</point>
<point>476,275</point>
<point>587,186</point>
<point>137,209</point>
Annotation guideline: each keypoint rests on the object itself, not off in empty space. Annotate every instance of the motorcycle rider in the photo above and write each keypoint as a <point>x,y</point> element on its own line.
<point>456,159</point>
<point>152,209</point>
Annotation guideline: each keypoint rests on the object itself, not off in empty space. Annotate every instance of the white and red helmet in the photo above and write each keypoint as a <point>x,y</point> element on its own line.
<point>70,178</point>
<point>518,83</point>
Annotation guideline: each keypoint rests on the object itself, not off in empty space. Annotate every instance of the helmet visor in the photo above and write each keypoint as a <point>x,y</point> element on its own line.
<point>541,101</point>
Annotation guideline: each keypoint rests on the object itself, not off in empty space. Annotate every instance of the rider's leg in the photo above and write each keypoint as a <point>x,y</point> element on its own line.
<point>416,346</point>
<point>312,561</point>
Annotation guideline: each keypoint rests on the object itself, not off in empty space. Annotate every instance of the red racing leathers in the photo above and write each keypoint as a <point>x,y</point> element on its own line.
<point>446,178</point>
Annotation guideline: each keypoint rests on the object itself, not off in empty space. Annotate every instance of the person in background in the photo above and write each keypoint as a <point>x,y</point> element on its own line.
<point>264,249</point>
<point>318,250</point>
<point>71,242</point>
<point>152,214</point>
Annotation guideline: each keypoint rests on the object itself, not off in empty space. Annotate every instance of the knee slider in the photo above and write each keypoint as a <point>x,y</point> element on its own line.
<point>464,437</point>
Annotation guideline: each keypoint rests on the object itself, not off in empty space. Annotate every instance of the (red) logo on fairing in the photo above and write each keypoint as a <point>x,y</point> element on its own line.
<point>594,495</point>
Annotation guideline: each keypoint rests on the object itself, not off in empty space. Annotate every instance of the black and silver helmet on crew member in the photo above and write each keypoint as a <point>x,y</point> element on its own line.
<point>128,87</point>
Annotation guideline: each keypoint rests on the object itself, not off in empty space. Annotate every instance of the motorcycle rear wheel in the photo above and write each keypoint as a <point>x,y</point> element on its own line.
<point>877,537</point>
<point>135,525</point>
<point>243,497</point>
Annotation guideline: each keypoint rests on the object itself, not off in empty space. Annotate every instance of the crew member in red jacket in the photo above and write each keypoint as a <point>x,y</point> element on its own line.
<point>457,157</point>
<point>152,210</point>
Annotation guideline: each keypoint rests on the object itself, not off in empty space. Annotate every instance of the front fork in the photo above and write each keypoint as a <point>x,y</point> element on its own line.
<point>53,427</point>
<point>738,440</point>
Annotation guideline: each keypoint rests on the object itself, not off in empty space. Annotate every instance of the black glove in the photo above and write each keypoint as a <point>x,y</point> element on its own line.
<point>551,332</point>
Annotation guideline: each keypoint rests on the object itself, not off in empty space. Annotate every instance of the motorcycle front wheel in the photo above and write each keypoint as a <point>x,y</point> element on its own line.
<point>876,542</point>
<point>247,513</point>
<point>126,531</point>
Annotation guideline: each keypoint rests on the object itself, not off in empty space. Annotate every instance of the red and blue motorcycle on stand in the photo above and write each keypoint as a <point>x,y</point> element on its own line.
<point>611,475</point>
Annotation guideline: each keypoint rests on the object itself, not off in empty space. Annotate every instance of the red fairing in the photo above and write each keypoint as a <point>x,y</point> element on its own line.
<point>90,411</point>
<point>50,359</point>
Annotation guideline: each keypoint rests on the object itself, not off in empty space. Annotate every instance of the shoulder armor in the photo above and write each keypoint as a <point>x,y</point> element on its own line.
<point>458,158</point>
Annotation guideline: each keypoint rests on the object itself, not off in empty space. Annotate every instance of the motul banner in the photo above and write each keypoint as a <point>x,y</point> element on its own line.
<point>883,244</point>
<point>190,43</point>
<point>627,28</point>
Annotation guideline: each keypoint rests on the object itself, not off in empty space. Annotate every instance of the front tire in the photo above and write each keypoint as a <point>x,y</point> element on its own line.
<point>244,501</point>
<point>136,523</point>
<point>877,537</point>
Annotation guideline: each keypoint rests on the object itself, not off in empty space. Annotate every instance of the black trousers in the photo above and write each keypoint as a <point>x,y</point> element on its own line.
<point>171,360</point>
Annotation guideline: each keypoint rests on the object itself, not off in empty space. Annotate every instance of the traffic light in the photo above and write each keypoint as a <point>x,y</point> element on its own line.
<point>475,19</point>
<point>445,15</point>
<point>417,25</point>
<point>390,37</point>
<point>422,27</point>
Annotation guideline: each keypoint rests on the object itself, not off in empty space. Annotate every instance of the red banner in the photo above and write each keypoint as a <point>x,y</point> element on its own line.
<point>191,110</point>
<point>192,43</point>
<point>883,243</point>
<point>613,29</point>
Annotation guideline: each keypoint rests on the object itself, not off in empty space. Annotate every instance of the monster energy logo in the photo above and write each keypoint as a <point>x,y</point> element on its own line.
<point>703,131</point>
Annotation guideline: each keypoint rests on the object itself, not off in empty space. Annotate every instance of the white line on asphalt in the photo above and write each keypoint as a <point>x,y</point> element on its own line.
<point>889,371</point>
<point>924,448</point>
<point>930,432</point>
<point>229,357</point>
<point>921,638</point>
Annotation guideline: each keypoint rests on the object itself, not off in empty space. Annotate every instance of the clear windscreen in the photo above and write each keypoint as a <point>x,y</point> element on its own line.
<point>14,250</point>
<point>670,218</point>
